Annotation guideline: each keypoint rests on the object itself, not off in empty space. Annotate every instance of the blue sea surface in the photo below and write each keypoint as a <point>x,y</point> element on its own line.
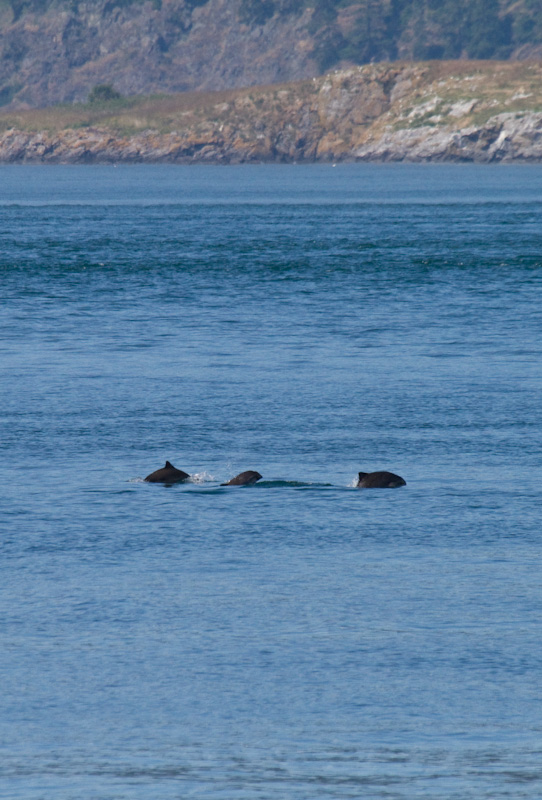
<point>300,638</point>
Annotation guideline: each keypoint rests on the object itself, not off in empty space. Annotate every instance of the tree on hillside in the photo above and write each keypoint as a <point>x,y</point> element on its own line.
<point>103,93</point>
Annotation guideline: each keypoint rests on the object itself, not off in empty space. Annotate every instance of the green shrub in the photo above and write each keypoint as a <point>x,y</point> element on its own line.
<point>103,93</point>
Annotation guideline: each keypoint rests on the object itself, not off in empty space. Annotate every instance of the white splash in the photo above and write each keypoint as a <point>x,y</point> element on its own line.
<point>201,477</point>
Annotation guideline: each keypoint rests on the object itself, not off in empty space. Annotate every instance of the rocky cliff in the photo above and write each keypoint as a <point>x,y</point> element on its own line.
<point>56,51</point>
<point>455,111</point>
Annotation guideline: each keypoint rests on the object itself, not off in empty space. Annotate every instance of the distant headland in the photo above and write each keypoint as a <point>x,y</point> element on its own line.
<point>457,111</point>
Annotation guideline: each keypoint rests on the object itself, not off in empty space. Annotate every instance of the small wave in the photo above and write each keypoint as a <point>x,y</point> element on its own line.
<point>291,485</point>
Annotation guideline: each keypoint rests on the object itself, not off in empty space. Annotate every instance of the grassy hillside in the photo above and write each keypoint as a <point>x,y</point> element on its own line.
<point>392,96</point>
<point>124,115</point>
<point>57,50</point>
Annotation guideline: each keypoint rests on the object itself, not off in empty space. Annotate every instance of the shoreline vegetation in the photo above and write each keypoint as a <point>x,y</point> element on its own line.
<point>471,111</point>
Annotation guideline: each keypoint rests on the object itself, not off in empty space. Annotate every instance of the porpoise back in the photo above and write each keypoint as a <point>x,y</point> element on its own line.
<point>244,479</point>
<point>168,474</point>
<point>379,480</point>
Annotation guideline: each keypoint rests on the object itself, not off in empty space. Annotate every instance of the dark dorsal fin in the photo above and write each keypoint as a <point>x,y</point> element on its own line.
<point>169,465</point>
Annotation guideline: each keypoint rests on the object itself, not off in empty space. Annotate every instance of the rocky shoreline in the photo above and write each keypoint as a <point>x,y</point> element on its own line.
<point>418,113</point>
<point>503,138</point>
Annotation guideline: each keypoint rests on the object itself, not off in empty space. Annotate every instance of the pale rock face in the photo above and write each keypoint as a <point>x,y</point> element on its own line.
<point>145,48</point>
<point>348,115</point>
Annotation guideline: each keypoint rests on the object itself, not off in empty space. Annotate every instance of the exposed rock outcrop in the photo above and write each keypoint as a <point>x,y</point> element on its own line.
<point>56,51</point>
<point>59,54</point>
<point>423,112</point>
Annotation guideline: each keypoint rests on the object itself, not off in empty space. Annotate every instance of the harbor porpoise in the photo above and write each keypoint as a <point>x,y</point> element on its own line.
<point>244,479</point>
<point>168,474</point>
<point>379,480</point>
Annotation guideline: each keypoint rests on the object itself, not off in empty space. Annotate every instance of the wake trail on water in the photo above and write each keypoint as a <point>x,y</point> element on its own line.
<point>201,481</point>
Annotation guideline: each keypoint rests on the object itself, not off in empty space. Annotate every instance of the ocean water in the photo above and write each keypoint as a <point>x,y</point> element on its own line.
<point>300,638</point>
